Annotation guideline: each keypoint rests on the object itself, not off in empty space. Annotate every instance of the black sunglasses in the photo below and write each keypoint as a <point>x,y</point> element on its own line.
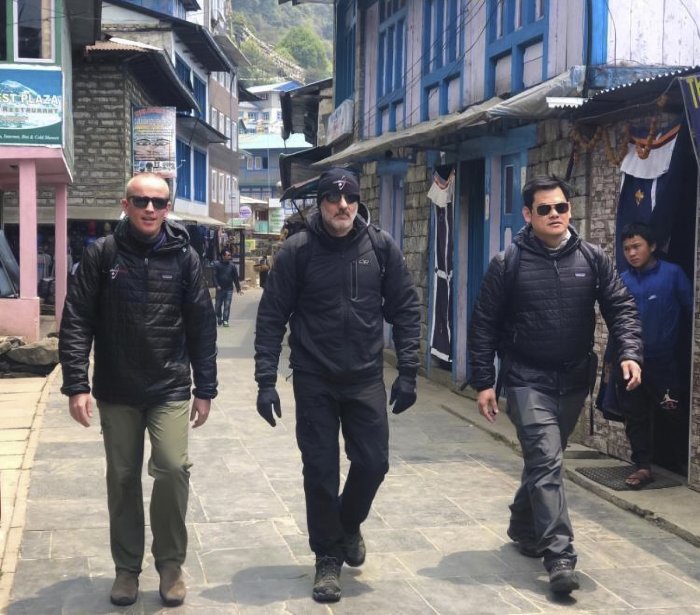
<point>142,201</point>
<point>561,208</point>
<point>336,196</point>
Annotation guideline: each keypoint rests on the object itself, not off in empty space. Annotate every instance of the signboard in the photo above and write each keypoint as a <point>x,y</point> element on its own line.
<point>249,246</point>
<point>31,106</point>
<point>275,217</point>
<point>340,121</point>
<point>690,87</point>
<point>153,135</point>
<point>245,212</point>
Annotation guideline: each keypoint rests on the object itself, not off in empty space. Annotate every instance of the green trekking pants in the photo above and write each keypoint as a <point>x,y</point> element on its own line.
<point>123,429</point>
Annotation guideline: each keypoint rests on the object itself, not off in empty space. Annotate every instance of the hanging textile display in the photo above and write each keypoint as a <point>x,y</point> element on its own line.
<point>442,194</point>
<point>647,191</point>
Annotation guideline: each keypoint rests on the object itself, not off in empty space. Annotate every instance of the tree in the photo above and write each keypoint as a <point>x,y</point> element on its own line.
<point>308,50</point>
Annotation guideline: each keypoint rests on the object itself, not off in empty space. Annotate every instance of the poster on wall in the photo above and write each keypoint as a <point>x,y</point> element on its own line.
<point>31,106</point>
<point>153,135</point>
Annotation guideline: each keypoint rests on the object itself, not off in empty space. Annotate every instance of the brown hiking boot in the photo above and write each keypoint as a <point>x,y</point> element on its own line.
<point>172,587</point>
<point>125,589</point>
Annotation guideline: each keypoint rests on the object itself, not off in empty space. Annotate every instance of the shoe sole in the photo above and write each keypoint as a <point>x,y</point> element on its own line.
<point>171,602</point>
<point>325,598</point>
<point>122,601</point>
<point>354,563</point>
<point>564,585</point>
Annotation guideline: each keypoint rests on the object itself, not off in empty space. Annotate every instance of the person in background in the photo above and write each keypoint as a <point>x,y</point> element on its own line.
<point>537,312</point>
<point>336,283</point>
<point>140,295</point>
<point>225,278</point>
<point>664,298</point>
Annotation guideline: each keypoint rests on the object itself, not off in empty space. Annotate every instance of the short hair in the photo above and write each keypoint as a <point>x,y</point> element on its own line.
<point>640,229</point>
<point>225,252</point>
<point>543,182</point>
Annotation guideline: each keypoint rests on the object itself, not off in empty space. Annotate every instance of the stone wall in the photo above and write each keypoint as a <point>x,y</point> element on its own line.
<point>415,229</point>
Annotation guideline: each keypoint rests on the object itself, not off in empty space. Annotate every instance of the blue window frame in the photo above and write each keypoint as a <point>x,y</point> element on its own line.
<point>391,88</point>
<point>184,72</point>
<point>345,51</point>
<point>443,51</point>
<point>184,170</point>
<point>200,175</point>
<point>200,95</point>
<point>514,26</point>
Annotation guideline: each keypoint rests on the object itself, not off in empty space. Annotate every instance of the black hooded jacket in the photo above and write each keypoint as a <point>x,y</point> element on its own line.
<point>331,293</point>
<point>151,318</point>
<point>543,327</point>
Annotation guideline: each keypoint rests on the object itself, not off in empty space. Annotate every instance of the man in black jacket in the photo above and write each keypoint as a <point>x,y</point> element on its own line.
<point>536,310</point>
<point>140,295</point>
<point>225,278</point>
<point>335,283</point>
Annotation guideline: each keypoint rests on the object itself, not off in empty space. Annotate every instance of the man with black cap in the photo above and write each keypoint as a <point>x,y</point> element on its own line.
<point>336,282</point>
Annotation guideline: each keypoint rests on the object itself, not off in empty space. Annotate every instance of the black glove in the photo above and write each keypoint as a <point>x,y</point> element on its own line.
<point>403,392</point>
<point>267,401</point>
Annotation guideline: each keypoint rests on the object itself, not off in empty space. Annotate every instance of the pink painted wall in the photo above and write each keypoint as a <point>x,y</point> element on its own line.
<point>20,317</point>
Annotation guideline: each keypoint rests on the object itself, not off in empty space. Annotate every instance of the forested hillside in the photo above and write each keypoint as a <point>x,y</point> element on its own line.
<point>301,35</point>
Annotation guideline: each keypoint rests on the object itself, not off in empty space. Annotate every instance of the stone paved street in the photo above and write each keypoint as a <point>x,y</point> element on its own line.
<point>436,535</point>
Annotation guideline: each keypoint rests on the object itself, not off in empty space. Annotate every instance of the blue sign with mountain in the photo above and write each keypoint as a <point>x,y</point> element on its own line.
<point>31,107</point>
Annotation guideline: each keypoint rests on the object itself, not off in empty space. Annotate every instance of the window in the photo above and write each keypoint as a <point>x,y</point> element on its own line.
<point>256,163</point>
<point>227,132</point>
<point>279,116</point>
<point>253,116</point>
<point>214,118</point>
<point>390,63</point>
<point>33,29</point>
<point>222,193</point>
<point>214,184</point>
<point>227,199</point>
<point>515,45</point>
<point>200,176</point>
<point>184,72</point>
<point>184,186</point>
<point>266,116</point>
<point>250,163</point>
<point>234,86</point>
<point>234,135</point>
<point>345,53</point>
<point>222,124</point>
<point>200,95</point>
<point>442,54</point>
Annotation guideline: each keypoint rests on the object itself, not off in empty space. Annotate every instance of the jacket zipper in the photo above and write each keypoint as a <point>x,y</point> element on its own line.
<point>559,310</point>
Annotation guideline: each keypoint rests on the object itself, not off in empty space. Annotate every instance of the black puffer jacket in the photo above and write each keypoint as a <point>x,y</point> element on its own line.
<point>151,317</point>
<point>543,327</point>
<point>331,292</point>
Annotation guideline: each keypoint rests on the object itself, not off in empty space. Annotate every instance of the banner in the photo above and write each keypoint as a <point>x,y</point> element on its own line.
<point>690,88</point>
<point>31,106</point>
<point>153,135</point>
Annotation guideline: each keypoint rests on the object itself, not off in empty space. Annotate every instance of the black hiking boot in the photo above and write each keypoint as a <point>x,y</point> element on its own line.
<point>354,549</point>
<point>562,577</point>
<point>327,579</point>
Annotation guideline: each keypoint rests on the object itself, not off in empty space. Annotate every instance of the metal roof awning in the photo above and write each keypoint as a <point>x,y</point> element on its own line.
<point>47,215</point>
<point>185,217</point>
<point>424,134</point>
<point>196,128</point>
<point>249,200</point>
<point>300,109</point>
<point>296,167</point>
<point>234,54</point>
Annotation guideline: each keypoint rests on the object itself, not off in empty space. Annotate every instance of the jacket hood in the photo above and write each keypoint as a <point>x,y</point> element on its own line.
<point>525,238</point>
<point>176,236</point>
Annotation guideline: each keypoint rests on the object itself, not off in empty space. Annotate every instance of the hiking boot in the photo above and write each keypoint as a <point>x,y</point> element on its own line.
<point>562,577</point>
<point>219,322</point>
<point>327,579</point>
<point>225,323</point>
<point>172,588</point>
<point>125,589</point>
<point>354,549</point>
<point>526,546</point>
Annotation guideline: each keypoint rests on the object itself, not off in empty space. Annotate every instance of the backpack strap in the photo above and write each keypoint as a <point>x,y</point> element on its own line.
<point>109,253</point>
<point>376,231</point>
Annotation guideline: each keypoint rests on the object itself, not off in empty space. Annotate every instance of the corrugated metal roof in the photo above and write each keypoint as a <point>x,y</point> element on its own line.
<point>667,76</point>
<point>265,140</point>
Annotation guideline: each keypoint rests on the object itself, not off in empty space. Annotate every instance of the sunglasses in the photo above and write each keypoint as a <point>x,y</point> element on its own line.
<point>141,202</point>
<point>336,196</point>
<point>544,210</point>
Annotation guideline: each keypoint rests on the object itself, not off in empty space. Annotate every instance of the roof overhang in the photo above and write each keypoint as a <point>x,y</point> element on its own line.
<point>197,38</point>
<point>249,200</point>
<point>151,67</point>
<point>84,21</point>
<point>425,134</point>
<point>615,103</point>
<point>300,109</point>
<point>198,130</point>
<point>182,216</point>
<point>233,54</point>
<point>296,167</point>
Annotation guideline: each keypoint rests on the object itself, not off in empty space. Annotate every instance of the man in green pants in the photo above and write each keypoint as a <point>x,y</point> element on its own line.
<point>140,295</point>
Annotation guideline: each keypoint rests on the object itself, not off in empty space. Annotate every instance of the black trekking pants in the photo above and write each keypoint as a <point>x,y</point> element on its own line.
<point>322,408</point>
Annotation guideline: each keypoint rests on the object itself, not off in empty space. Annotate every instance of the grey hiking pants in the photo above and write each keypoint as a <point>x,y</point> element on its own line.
<point>539,514</point>
<point>123,430</point>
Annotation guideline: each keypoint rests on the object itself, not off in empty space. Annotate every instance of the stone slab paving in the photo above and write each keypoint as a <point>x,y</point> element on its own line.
<point>436,535</point>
